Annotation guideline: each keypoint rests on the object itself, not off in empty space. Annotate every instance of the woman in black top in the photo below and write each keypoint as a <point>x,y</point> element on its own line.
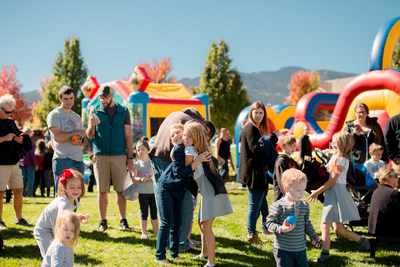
<point>385,207</point>
<point>251,171</point>
<point>365,130</point>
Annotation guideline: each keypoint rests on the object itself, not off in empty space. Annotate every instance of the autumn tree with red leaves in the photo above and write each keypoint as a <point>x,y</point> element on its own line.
<point>159,70</point>
<point>10,85</point>
<point>301,83</point>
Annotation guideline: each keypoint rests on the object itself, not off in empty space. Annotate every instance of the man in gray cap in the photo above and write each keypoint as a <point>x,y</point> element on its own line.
<point>110,129</point>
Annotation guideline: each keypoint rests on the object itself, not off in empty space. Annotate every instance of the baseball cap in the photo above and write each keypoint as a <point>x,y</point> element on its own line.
<point>105,90</point>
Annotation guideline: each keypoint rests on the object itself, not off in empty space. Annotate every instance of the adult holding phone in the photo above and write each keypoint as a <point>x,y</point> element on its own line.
<point>365,131</point>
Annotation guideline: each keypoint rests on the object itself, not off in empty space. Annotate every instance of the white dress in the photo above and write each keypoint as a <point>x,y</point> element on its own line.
<point>339,206</point>
<point>211,205</point>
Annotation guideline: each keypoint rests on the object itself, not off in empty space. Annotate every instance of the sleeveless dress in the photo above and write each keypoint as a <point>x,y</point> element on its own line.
<point>339,206</point>
<point>211,205</point>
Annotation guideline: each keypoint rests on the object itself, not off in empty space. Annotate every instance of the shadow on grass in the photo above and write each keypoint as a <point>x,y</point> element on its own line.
<point>255,255</point>
<point>19,233</point>
<point>98,236</point>
<point>19,252</point>
<point>85,260</point>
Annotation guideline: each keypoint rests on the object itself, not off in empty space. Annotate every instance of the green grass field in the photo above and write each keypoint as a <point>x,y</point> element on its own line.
<point>117,248</point>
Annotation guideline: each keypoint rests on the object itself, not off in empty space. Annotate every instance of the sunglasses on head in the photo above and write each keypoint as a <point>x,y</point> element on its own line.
<point>8,112</point>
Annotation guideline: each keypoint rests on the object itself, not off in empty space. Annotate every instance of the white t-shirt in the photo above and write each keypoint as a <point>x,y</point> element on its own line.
<point>345,164</point>
<point>68,122</point>
<point>189,151</point>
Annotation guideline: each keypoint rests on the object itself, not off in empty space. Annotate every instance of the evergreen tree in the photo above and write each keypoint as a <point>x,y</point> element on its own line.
<point>224,87</point>
<point>68,69</point>
<point>396,57</point>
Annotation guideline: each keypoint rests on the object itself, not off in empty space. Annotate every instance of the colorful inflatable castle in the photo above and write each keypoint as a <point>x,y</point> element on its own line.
<point>149,103</point>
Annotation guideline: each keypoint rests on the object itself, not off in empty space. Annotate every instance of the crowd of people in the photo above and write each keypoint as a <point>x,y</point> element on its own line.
<point>179,164</point>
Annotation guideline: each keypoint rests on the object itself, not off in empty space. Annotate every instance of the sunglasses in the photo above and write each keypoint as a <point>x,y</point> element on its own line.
<point>8,112</point>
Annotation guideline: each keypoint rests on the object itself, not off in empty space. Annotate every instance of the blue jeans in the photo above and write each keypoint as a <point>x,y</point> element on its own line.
<point>225,169</point>
<point>169,209</point>
<point>63,164</point>
<point>28,177</point>
<point>288,258</point>
<point>257,203</point>
<point>187,218</point>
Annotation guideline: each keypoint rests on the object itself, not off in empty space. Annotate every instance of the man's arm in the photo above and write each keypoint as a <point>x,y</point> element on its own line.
<point>217,145</point>
<point>62,137</point>
<point>129,146</point>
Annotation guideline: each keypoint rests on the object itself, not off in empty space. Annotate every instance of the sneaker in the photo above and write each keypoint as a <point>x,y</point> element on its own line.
<point>266,232</point>
<point>144,237</point>
<point>200,256</point>
<point>253,238</point>
<point>194,243</point>
<point>123,225</point>
<point>3,225</point>
<point>102,226</point>
<point>22,222</point>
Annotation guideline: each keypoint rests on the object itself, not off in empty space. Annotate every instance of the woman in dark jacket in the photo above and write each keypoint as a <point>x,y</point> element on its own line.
<point>251,172</point>
<point>365,130</point>
<point>385,207</point>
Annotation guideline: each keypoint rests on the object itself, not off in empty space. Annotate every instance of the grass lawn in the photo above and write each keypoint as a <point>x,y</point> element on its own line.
<point>117,248</point>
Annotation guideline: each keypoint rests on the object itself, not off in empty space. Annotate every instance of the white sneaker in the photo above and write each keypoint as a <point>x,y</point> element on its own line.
<point>144,237</point>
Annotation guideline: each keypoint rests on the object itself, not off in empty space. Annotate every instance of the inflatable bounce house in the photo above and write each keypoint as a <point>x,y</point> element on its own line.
<point>149,103</point>
<point>379,88</point>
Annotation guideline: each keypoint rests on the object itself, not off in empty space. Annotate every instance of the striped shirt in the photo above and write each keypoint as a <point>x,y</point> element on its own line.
<point>294,240</point>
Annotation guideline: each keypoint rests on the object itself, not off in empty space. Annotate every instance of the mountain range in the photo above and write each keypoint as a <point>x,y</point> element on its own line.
<point>268,86</point>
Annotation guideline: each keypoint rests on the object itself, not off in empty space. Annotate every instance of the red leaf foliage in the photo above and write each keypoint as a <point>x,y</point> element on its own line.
<point>158,71</point>
<point>10,85</point>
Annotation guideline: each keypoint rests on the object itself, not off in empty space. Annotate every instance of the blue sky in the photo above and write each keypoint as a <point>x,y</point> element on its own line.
<point>262,35</point>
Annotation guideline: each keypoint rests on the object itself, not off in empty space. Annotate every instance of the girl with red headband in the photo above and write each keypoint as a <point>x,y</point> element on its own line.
<point>71,187</point>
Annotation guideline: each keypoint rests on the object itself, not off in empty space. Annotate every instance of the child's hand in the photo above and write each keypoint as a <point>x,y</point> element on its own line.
<point>84,218</point>
<point>316,241</point>
<point>285,228</point>
<point>205,156</point>
<point>144,179</point>
<point>314,196</point>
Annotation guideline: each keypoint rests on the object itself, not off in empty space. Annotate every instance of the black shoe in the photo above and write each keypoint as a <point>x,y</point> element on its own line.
<point>372,249</point>
<point>123,225</point>
<point>193,251</point>
<point>102,226</point>
<point>22,222</point>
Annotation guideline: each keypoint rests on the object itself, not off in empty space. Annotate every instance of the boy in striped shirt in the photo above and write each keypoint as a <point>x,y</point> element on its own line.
<point>290,240</point>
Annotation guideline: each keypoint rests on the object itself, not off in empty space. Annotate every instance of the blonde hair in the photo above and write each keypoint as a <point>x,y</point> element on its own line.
<point>287,139</point>
<point>200,145</point>
<point>62,188</point>
<point>143,143</point>
<point>344,144</point>
<point>176,126</point>
<point>68,217</point>
<point>375,147</point>
<point>384,173</point>
<point>292,176</point>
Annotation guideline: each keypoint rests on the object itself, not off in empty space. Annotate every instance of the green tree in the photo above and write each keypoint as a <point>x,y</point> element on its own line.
<point>68,69</point>
<point>396,57</point>
<point>224,87</point>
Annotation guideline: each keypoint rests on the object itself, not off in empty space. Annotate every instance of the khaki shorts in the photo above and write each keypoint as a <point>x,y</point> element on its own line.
<point>10,175</point>
<point>106,167</point>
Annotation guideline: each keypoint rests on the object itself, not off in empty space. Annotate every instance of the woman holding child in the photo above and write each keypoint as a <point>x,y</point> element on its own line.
<point>365,131</point>
<point>251,172</point>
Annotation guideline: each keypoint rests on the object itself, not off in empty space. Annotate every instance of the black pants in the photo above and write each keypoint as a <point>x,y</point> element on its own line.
<point>147,201</point>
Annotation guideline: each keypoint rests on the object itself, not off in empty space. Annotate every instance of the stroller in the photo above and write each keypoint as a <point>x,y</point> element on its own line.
<point>359,191</point>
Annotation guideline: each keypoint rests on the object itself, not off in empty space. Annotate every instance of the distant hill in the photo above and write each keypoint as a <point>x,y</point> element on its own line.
<point>267,86</point>
<point>33,96</point>
<point>271,86</point>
